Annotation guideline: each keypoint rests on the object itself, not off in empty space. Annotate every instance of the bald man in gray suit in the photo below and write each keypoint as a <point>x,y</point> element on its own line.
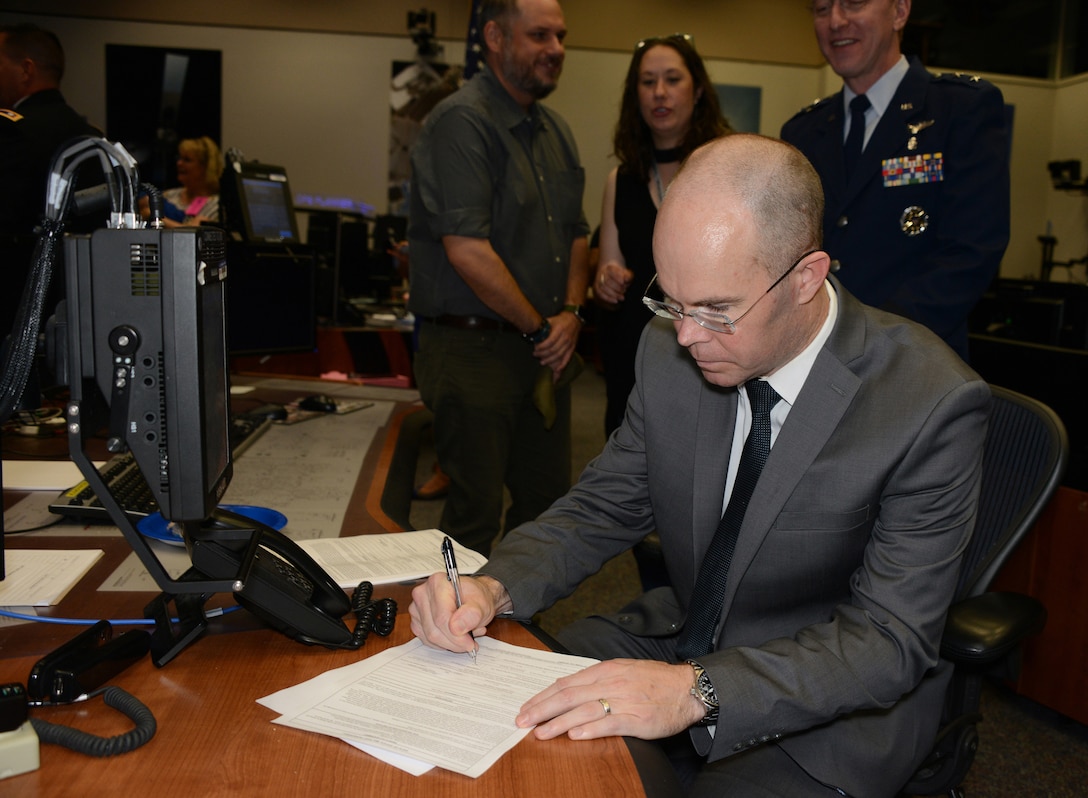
<point>821,673</point>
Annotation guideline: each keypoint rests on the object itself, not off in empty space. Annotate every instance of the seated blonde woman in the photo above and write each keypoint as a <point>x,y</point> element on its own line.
<point>196,200</point>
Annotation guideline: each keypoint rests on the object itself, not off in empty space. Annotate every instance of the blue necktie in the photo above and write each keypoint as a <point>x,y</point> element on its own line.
<point>856,137</point>
<point>697,637</point>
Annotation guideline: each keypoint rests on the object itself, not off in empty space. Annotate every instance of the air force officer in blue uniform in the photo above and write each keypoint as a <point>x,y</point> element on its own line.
<point>921,222</point>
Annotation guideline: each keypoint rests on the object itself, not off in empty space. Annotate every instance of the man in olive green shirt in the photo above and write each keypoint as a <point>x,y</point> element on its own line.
<point>499,268</point>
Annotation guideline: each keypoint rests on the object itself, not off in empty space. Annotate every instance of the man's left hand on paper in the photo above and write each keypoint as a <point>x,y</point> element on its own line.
<point>635,698</point>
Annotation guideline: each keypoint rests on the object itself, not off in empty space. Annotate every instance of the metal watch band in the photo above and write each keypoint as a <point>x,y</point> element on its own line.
<point>703,689</point>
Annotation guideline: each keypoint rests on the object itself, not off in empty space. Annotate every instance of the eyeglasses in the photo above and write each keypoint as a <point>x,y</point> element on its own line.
<point>710,319</point>
<point>822,8</point>
<point>686,38</point>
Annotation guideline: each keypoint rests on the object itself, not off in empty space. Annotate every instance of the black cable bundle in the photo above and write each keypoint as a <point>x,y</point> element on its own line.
<point>28,318</point>
<point>121,174</point>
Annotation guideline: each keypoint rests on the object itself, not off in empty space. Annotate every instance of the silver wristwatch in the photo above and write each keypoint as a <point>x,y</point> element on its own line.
<point>703,689</point>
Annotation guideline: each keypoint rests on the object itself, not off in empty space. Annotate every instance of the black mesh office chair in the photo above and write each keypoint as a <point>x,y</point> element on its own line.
<point>1025,456</point>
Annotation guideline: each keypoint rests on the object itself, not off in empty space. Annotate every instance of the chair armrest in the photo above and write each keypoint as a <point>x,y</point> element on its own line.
<point>983,629</point>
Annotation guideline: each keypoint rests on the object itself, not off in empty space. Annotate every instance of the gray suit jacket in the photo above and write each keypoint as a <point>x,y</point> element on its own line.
<point>847,559</point>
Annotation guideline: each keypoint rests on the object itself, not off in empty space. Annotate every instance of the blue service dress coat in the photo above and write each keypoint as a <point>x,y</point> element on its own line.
<point>921,227</point>
<point>847,559</point>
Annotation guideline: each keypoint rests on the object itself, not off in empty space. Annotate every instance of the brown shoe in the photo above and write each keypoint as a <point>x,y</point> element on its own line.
<point>434,488</point>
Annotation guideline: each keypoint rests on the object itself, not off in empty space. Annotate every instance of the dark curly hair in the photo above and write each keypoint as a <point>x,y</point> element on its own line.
<point>631,143</point>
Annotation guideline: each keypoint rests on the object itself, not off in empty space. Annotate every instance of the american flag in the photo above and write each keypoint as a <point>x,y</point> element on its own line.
<point>474,46</point>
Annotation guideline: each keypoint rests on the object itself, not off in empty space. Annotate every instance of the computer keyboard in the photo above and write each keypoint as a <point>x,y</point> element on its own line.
<point>128,486</point>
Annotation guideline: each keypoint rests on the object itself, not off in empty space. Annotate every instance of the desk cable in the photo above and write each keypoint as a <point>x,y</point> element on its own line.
<point>21,616</point>
<point>93,745</point>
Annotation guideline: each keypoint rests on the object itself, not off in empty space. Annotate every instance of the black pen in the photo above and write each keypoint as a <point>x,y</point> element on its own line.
<point>455,579</point>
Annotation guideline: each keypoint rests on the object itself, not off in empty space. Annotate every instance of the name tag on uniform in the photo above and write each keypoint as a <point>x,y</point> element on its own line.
<point>913,169</point>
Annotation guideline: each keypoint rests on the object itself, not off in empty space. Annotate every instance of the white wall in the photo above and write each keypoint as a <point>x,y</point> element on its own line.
<point>1033,121</point>
<point>317,103</point>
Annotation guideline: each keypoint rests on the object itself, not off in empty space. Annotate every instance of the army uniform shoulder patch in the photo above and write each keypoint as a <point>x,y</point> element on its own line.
<point>13,116</point>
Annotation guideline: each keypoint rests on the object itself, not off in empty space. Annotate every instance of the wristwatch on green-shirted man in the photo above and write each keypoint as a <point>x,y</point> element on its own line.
<point>577,311</point>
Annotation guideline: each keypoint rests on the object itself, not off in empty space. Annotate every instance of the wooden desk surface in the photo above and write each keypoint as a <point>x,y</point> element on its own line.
<point>214,739</point>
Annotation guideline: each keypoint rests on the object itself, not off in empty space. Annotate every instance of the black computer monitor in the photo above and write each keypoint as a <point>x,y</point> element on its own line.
<point>257,203</point>
<point>1034,311</point>
<point>147,333</point>
<point>271,300</point>
<point>271,291</point>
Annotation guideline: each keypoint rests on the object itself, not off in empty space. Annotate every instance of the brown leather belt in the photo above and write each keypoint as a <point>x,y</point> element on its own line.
<point>472,323</point>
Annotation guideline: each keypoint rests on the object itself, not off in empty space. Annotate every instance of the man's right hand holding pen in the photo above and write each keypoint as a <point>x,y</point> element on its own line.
<point>437,621</point>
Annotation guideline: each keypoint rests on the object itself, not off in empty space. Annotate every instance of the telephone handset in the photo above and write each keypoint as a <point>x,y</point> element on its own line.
<point>284,586</point>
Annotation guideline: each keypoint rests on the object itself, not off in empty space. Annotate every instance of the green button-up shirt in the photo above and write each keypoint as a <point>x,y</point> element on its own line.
<point>485,168</point>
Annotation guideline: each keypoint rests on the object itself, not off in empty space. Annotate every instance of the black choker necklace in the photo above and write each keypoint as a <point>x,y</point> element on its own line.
<point>668,156</point>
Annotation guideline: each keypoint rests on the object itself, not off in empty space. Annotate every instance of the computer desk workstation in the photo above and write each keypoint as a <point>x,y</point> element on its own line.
<point>214,739</point>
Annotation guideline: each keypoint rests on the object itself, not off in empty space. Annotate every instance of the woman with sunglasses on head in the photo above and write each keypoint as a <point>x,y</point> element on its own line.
<point>669,108</point>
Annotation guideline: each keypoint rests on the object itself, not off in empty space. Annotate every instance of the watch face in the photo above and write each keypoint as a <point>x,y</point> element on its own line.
<point>710,698</point>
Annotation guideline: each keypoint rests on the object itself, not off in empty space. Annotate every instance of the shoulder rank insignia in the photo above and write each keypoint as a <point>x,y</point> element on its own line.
<point>812,106</point>
<point>959,77</point>
<point>7,113</point>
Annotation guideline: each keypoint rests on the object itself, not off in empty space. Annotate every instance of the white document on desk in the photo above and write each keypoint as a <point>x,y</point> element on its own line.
<point>432,706</point>
<point>41,578</point>
<point>388,558</point>
<point>50,475</point>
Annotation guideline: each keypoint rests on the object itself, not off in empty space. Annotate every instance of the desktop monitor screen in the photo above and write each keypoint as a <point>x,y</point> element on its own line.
<point>269,216</point>
<point>259,205</point>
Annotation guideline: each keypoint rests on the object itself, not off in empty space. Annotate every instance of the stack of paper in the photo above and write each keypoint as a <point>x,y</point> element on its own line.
<point>415,707</point>
<point>385,559</point>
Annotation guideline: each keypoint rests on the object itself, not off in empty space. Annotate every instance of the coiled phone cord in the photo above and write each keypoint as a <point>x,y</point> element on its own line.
<point>371,616</point>
<point>93,745</point>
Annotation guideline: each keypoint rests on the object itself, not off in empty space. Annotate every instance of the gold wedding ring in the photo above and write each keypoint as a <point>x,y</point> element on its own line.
<point>606,705</point>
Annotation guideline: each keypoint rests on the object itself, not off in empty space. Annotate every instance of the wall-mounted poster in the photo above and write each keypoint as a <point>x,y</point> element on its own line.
<point>740,105</point>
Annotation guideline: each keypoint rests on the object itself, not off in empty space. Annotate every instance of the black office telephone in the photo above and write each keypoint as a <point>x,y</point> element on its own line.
<point>284,587</point>
<point>272,577</point>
